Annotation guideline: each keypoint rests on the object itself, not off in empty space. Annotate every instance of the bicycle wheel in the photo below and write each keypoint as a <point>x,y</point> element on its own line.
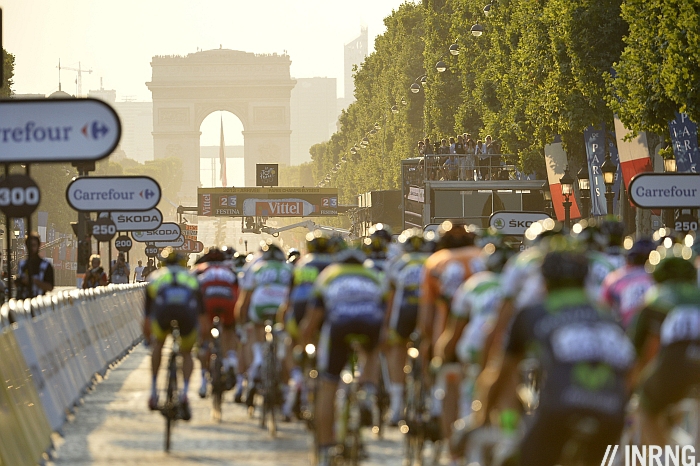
<point>217,386</point>
<point>271,388</point>
<point>171,404</point>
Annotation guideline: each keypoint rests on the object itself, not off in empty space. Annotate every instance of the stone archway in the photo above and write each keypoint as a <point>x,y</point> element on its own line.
<point>255,88</point>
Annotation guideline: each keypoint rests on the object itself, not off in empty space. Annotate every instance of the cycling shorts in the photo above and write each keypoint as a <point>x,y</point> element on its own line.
<point>187,342</point>
<point>221,308</point>
<point>674,372</point>
<point>543,443</point>
<point>293,316</point>
<point>403,320</point>
<point>334,347</point>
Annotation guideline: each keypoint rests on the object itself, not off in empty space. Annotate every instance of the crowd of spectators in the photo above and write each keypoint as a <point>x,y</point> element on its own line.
<point>463,159</point>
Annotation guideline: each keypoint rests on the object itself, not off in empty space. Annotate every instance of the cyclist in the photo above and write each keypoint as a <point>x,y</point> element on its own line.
<point>172,294</point>
<point>376,246</point>
<point>219,288</point>
<point>455,260</point>
<point>264,288</point>
<point>670,321</point>
<point>305,272</point>
<point>623,290</point>
<point>584,358</point>
<point>347,299</point>
<point>603,242</point>
<point>403,277</point>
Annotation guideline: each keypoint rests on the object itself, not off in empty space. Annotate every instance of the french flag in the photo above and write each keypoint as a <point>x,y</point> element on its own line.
<point>555,158</point>
<point>634,154</point>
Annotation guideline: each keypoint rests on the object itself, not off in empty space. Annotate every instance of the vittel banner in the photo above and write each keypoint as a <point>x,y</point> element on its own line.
<point>55,130</point>
<point>267,202</point>
<point>137,221</point>
<point>166,232</point>
<point>113,193</point>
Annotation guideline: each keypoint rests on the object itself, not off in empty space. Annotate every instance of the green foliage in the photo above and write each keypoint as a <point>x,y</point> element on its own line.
<point>8,69</point>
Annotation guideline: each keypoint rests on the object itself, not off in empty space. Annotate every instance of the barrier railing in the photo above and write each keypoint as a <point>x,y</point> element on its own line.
<point>51,350</point>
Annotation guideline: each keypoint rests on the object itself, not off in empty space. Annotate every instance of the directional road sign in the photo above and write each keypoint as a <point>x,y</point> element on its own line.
<point>514,222</point>
<point>57,130</point>
<point>176,243</point>
<point>166,232</point>
<point>137,221</point>
<point>19,196</point>
<point>665,190</point>
<point>113,193</point>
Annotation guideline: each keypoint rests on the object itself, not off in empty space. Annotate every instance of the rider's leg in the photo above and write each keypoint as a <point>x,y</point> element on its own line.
<point>450,379</point>
<point>258,336</point>
<point>325,412</point>
<point>396,360</point>
<point>229,342</point>
<point>156,356</point>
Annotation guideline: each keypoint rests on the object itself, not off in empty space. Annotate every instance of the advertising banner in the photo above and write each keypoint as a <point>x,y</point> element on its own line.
<point>514,223</point>
<point>189,231</point>
<point>684,135</point>
<point>267,202</point>
<point>137,221</point>
<point>266,174</point>
<point>110,193</point>
<point>595,150</point>
<point>168,231</point>
<point>665,190</point>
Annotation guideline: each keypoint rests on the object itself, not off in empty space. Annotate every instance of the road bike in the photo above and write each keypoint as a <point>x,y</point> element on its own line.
<point>216,370</point>
<point>172,408</point>
<point>270,384</point>
<point>416,417</point>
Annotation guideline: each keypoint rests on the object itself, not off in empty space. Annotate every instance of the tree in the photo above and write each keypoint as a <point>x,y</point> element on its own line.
<point>8,70</point>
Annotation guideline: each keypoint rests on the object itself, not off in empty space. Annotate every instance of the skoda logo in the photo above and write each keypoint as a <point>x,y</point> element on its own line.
<point>499,223</point>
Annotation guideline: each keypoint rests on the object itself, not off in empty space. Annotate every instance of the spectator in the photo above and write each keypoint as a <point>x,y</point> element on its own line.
<point>428,147</point>
<point>482,160</point>
<point>470,150</point>
<point>34,274</point>
<point>149,268</point>
<point>138,273</point>
<point>120,270</point>
<point>459,150</point>
<point>96,276</point>
<point>421,148</point>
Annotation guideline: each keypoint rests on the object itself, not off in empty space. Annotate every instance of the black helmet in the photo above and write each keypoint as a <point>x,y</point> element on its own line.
<point>564,268</point>
<point>412,240</point>
<point>381,230</point>
<point>229,252</point>
<point>672,264</point>
<point>613,231</point>
<point>214,255</point>
<point>317,242</point>
<point>638,253</point>
<point>272,252</point>
<point>293,255</point>
<point>336,243</point>
<point>455,235</point>
<point>239,260</point>
<point>351,256</point>
<point>495,255</point>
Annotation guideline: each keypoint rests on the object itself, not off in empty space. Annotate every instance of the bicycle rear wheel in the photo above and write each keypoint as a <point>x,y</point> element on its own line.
<point>170,407</point>
<point>271,396</point>
<point>216,387</point>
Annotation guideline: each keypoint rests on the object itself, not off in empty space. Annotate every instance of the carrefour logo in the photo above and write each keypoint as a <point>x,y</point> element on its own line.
<point>95,130</point>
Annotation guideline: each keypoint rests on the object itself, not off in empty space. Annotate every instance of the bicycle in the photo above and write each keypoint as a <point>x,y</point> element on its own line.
<point>171,409</point>
<point>216,368</point>
<point>272,398</point>
<point>415,419</point>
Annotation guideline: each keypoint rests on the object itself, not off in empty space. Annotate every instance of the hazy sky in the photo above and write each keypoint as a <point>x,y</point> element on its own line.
<point>117,38</point>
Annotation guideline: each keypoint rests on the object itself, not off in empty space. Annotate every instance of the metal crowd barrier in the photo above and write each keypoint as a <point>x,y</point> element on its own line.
<point>51,350</point>
<point>468,167</point>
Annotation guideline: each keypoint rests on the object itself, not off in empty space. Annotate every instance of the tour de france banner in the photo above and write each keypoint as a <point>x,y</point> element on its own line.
<point>684,136</point>
<point>634,152</point>
<point>595,150</point>
<point>555,159</point>
<point>267,202</point>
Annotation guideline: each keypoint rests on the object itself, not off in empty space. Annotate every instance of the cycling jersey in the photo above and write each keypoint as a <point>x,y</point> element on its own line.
<point>305,272</point>
<point>584,356</point>
<point>672,312</point>
<point>352,299</point>
<point>269,283</point>
<point>477,300</point>
<point>404,276</point>
<point>623,291</point>
<point>600,265</point>
<point>219,287</point>
<point>522,280</point>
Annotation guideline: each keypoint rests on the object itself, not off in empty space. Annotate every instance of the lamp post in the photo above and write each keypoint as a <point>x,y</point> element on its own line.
<point>584,188</point>
<point>567,188</point>
<point>669,214</point>
<point>608,168</point>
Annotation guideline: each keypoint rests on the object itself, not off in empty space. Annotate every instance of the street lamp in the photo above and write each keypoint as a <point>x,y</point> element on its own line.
<point>670,214</point>
<point>394,109</point>
<point>477,30</point>
<point>487,10</point>
<point>670,165</point>
<point>608,168</point>
<point>584,188</point>
<point>415,88</point>
<point>441,66</point>
<point>454,49</point>
<point>567,188</point>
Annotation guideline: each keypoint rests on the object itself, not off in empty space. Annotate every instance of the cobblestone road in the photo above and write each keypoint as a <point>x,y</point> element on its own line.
<point>113,426</point>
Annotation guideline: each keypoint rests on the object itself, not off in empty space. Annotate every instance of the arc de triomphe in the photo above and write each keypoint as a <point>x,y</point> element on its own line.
<point>256,88</point>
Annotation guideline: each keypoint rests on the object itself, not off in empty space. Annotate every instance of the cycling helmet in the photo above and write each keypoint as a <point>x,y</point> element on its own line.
<point>271,252</point>
<point>495,256</point>
<point>563,268</point>
<point>229,252</point>
<point>381,230</point>
<point>239,260</point>
<point>293,255</point>
<point>336,243</point>
<point>214,255</point>
<point>412,240</point>
<point>173,258</point>
<point>431,239</point>
<point>613,230</point>
<point>672,264</point>
<point>317,242</point>
<point>455,235</point>
<point>638,253</point>
<point>351,256</point>
<point>543,229</point>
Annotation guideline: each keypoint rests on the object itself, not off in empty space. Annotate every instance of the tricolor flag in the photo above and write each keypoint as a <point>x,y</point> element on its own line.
<point>555,159</point>
<point>222,156</point>
<point>634,154</point>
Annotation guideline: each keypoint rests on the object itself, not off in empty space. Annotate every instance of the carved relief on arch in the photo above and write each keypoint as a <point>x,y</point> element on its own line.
<point>173,115</point>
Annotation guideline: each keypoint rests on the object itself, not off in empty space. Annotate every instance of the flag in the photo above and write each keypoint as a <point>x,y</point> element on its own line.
<point>634,154</point>
<point>684,135</point>
<point>555,159</point>
<point>222,156</point>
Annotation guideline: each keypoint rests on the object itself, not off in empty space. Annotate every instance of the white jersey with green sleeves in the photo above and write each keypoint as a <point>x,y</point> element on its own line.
<point>478,300</point>
<point>269,282</point>
<point>600,265</point>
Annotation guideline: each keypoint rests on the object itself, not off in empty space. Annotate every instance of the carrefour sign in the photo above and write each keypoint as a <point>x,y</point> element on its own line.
<point>55,130</point>
<point>113,193</point>
<point>514,222</point>
<point>665,190</point>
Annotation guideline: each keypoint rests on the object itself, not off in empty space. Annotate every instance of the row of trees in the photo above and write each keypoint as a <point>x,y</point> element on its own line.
<point>541,68</point>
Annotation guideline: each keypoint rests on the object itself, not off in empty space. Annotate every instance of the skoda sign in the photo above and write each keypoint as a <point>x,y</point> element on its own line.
<point>176,243</point>
<point>513,222</point>
<point>137,221</point>
<point>665,190</point>
<point>165,232</point>
<point>113,193</point>
<point>57,130</point>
